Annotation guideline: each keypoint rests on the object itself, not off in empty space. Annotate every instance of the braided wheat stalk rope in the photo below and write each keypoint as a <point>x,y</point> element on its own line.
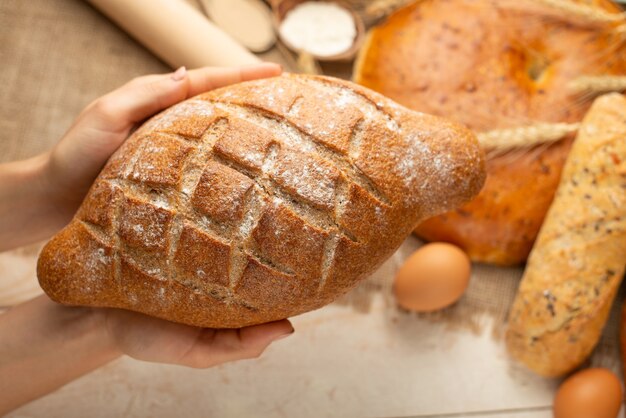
<point>586,12</point>
<point>598,84</point>
<point>502,140</point>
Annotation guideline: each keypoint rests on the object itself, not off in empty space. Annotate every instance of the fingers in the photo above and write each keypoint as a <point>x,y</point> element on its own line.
<point>119,110</point>
<point>150,339</point>
<point>144,96</point>
<point>106,123</point>
<point>220,346</point>
<point>208,78</point>
<point>205,79</point>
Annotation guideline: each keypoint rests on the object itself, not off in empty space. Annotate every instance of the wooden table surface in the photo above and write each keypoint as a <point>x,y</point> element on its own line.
<point>359,357</point>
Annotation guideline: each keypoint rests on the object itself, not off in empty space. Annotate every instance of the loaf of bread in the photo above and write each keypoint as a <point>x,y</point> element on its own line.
<point>577,263</point>
<point>257,202</point>
<point>494,64</point>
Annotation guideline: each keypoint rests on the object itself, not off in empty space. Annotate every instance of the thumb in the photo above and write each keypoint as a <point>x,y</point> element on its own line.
<point>105,124</point>
<point>138,99</point>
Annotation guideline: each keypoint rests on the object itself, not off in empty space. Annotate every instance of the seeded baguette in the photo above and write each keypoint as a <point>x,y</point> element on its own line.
<point>577,263</point>
<point>257,202</point>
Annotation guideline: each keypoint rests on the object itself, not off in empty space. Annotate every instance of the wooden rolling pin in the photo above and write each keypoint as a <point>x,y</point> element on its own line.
<point>176,32</point>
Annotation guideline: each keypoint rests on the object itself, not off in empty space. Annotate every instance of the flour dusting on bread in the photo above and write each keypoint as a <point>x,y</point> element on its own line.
<point>258,201</point>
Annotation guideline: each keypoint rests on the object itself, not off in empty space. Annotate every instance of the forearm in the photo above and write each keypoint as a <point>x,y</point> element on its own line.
<point>44,345</point>
<point>26,211</point>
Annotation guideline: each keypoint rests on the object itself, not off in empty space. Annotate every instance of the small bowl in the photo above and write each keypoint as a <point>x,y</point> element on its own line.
<point>280,8</point>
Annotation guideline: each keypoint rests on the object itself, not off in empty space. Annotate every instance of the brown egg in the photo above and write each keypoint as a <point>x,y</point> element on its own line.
<point>591,393</point>
<point>433,277</point>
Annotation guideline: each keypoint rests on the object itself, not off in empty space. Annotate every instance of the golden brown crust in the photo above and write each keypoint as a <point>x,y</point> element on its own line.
<point>622,337</point>
<point>257,202</point>
<point>493,64</point>
<point>577,263</point>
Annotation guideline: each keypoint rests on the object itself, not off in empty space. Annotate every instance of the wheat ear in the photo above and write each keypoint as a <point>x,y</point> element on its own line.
<point>502,140</point>
<point>598,84</point>
<point>586,12</point>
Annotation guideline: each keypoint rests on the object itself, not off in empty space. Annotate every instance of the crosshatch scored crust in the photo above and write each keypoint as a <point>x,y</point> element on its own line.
<point>257,202</point>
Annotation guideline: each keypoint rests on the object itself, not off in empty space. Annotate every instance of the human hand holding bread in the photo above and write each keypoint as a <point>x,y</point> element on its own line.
<point>104,125</point>
<point>329,181</point>
<point>167,247</point>
<point>55,343</point>
<point>111,118</point>
<point>157,221</point>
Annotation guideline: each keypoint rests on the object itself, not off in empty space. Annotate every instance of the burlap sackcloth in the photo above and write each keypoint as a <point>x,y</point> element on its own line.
<point>58,55</point>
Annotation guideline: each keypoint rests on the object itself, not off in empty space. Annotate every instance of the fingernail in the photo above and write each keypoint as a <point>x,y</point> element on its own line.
<point>280,337</point>
<point>179,74</point>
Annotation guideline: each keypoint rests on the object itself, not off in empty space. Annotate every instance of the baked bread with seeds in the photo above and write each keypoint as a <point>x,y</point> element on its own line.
<point>577,264</point>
